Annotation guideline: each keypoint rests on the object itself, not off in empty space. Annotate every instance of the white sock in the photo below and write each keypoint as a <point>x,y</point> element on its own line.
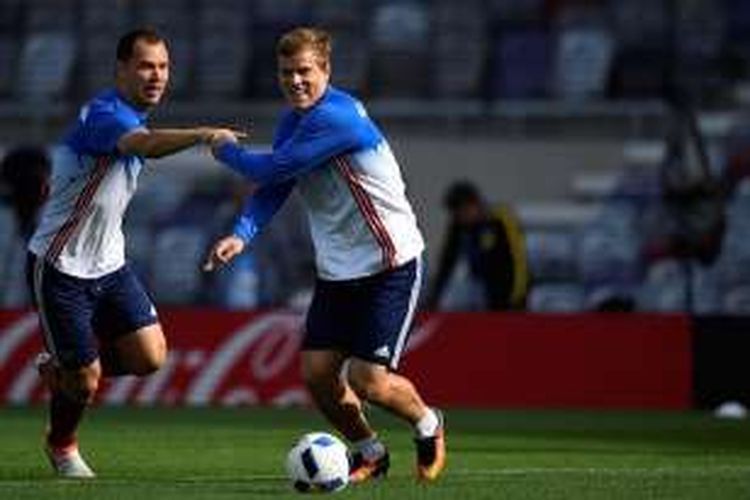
<point>428,424</point>
<point>371,448</point>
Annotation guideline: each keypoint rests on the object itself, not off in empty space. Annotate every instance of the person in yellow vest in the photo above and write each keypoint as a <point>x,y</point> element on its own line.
<point>482,264</point>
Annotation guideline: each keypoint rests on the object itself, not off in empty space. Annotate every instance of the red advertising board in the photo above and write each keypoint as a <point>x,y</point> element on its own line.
<point>465,360</point>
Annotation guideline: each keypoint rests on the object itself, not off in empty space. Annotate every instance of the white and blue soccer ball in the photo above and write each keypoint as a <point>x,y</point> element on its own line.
<point>318,462</point>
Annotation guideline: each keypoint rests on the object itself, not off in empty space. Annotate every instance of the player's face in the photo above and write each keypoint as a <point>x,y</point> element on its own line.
<point>143,78</point>
<point>303,78</point>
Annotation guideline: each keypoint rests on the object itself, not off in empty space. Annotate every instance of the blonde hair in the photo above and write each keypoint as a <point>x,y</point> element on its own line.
<point>295,41</point>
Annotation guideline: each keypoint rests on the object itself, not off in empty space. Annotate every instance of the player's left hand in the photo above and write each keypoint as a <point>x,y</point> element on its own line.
<point>223,251</point>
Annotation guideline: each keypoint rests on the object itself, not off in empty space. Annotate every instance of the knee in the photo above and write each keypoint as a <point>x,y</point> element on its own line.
<point>150,362</point>
<point>369,383</point>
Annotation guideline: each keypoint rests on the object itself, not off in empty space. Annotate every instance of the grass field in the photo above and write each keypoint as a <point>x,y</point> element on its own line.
<point>141,454</point>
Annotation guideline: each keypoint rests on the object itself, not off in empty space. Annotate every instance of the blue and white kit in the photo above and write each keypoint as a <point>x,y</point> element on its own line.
<point>79,238</point>
<point>361,222</point>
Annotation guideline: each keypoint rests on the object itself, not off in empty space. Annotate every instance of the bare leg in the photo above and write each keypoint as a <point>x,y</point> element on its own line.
<point>74,391</point>
<point>321,371</point>
<point>397,394</point>
<point>138,353</point>
<point>393,392</point>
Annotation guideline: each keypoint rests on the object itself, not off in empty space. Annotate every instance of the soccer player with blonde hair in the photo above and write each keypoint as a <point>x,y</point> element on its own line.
<point>368,252</point>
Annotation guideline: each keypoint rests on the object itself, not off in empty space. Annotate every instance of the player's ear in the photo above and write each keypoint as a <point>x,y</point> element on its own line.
<point>324,64</point>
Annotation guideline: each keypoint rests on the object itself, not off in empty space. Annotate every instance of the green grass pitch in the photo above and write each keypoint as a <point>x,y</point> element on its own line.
<point>141,454</point>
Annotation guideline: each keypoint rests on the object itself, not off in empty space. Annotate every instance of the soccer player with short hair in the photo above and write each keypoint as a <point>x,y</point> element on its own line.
<point>96,317</point>
<point>368,250</point>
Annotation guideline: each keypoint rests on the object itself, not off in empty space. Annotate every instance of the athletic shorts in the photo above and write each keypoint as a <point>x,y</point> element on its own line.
<point>77,314</point>
<point>367,318</point>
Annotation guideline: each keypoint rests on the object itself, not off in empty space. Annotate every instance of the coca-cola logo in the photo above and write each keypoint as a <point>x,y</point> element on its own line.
<point>269,347</point>
<point>224,359</point>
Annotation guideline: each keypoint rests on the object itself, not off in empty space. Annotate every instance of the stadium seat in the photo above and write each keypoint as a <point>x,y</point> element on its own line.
<point>401,26</point>
<point>583,60</point>
<point>734,263</point>
<point>608,256</point>
<point>45,65</point>
<point>707,290</point>
<point>551,255</point>
<point>521,66</point>
<point>638,183</point>
<point>665,288</point>
<point>736,301</point>
<point>460,49</point>
<point>400,37</point>
<point>458,65</point>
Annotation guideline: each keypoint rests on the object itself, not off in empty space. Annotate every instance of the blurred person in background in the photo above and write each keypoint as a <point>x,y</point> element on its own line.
<point>24,174</point>
<point>367,246</point>
<point>482,262</point>
<point>96,317</point>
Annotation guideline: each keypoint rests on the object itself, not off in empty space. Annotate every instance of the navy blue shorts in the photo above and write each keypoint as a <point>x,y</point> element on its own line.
<point>367,318</point>
<point>76,314</point>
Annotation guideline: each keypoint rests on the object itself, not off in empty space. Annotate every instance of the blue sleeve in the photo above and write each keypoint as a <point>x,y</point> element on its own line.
<point>323,134</point>
<point>259,208</point>
<point>103,128</point>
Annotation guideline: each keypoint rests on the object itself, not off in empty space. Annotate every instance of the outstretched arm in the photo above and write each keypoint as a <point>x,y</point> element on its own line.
<point>156,143</point>
<point>316,140</point>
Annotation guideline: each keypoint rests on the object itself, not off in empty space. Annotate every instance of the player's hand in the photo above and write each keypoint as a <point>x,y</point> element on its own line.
<point>223,251</point>
<point>214,136</point>
<point>222,136</point>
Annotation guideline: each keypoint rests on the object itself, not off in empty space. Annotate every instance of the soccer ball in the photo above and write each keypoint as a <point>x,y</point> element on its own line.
<point>318,462</point>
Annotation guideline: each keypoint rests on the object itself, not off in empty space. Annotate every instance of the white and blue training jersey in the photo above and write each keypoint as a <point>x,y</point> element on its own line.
<point>80,229</point>
<point>360,219</point>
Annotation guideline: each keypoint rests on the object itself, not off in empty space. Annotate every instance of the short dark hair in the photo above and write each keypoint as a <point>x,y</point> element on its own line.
<point>126,44</point>
<point>460,194</point>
